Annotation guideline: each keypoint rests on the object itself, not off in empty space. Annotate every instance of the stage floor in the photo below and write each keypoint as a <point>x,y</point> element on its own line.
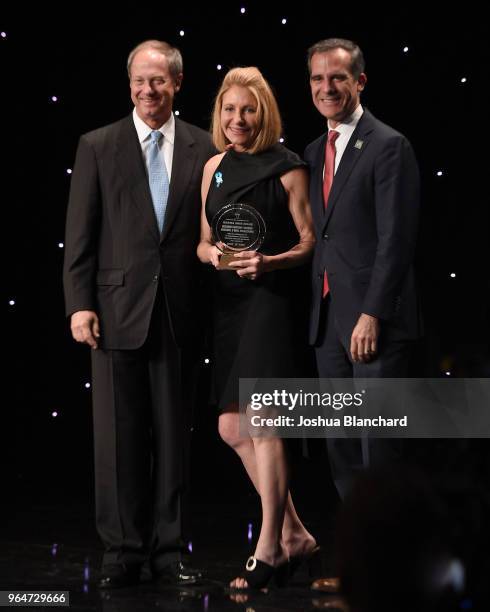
<point>55,547</point>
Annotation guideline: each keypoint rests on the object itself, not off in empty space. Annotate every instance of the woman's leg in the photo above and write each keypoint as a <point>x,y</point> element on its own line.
<point>229,430</point>
<point>295,537</point>
<point>272,484</point>
<point>272,473</point>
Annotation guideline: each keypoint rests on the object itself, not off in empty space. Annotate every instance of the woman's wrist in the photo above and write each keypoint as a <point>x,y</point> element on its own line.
<point>267,263</point>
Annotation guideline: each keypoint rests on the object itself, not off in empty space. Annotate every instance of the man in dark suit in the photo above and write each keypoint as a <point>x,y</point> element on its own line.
<point>364,191</point>
<point>131,285</point>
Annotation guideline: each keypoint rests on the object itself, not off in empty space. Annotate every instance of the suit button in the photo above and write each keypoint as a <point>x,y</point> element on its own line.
<point>155,278</point>
<point>325,236</point>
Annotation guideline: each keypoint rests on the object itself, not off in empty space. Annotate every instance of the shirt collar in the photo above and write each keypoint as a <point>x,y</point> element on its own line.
<point>143,130</point>
<point>349,125</point>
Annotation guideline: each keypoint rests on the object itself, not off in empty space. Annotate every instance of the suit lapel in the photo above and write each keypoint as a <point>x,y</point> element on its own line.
<point>356,147</point>
<point>132,166</point>
<point>316,180</point>
<point>183,162</point>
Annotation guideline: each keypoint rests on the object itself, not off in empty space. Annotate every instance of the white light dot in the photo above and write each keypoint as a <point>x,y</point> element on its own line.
<point>189,547</point>
<point>60,245</point>
<point>448,373</point>
<point>219,66</point>
<point>54,98</point>
<point>69,170</point>
<point>463,80</point>
<point>3,34</point>
<point>242,10</point>
<point>249,532</point>
<point>11,302</point>
<point>439,173</point>
<point>87,385</point>
<point>54,414</point>
<point>182,32</point>
<point>405,49</point>
<point>452,275</point>
<point>177,113</point>
<point>281,139</point>
<point>206,360</point>
<point>284,21</point>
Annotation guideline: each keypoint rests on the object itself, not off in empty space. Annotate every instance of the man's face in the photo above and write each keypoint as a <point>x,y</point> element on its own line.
<point>152,87</point>
<point>335,91</point>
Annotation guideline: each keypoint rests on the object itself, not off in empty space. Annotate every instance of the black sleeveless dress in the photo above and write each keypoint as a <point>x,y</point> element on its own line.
<point>253,322</point>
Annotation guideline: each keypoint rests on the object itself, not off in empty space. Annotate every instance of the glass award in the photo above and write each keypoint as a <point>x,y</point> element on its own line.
<point>237,227</point>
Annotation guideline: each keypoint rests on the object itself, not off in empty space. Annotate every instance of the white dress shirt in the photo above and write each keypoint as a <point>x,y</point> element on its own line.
<point>166,144</point>
<point>345,131</point>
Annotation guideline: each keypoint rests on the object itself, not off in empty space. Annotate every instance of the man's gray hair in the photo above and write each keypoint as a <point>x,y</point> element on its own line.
<point>174,58</point>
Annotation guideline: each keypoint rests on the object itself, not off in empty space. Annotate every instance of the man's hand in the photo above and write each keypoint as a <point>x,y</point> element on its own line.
<point>364,339</point>
<point>85,327</point>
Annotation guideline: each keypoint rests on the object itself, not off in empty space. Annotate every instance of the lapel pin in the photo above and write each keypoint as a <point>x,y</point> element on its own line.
<point>219,179</point>
<point>359,144</point>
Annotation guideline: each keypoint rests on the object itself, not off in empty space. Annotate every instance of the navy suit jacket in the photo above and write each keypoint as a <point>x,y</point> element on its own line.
<point>366,237</point>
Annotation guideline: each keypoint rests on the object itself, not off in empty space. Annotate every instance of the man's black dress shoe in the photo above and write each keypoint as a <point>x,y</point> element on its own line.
<point>119,576</point>
<point>177,573</point>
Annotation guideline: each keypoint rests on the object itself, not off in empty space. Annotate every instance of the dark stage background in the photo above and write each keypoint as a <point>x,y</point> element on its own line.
<point>432,92</point>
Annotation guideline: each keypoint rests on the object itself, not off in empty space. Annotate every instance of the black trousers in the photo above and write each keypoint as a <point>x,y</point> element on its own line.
<point>141,439</point>
<point>348,456</point>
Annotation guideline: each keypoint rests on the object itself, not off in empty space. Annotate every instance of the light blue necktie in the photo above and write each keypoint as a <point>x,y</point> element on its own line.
<point>157,173</point>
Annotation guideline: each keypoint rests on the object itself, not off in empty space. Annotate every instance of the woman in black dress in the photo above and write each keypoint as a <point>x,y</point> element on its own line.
<point>253,325</point>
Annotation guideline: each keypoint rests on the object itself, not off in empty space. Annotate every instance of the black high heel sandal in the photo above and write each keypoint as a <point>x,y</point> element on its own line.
<point>282,574</point>
<point>313,561</point>
<point>258,574</point>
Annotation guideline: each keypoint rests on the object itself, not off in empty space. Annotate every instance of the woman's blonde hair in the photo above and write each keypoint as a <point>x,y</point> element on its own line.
<point>268,117</point>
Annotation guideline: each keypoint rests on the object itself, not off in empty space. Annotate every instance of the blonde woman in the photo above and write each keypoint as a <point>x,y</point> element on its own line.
<point>253,323</point>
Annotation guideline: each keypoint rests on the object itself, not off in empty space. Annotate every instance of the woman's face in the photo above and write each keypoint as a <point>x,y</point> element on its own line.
<point>239,117</point>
